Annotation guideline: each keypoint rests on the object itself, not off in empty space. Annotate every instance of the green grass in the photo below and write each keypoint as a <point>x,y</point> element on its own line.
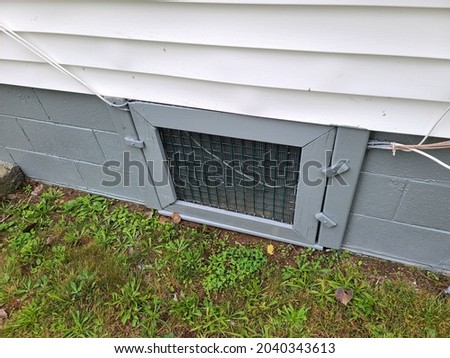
<point>78,265</point>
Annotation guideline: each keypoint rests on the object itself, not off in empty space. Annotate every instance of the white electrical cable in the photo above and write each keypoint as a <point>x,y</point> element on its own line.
<point>434,126</point>
<point>374,144</point>
<point>10,33</point>
<point>434,159</point>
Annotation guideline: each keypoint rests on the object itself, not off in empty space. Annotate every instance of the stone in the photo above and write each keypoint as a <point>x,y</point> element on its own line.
<point>11,178</point>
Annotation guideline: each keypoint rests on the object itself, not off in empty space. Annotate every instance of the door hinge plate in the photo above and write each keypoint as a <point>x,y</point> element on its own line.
<point>133,142</point>
<point>325,220</point>
<point>337,168</point>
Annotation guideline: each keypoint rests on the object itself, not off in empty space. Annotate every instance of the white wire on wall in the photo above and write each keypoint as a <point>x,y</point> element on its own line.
<point>13,35</point>
<point>417,148</point>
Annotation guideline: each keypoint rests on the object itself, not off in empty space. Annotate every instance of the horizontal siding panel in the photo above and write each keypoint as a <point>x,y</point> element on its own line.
<point>382,76</point>
<point>398,31</point>
<point>395,3</point>
<point>374,113</point>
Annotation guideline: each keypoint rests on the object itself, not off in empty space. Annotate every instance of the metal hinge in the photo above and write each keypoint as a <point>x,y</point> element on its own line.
<point>325,220</point>
<point>337,168</point>
<point>133,142</point>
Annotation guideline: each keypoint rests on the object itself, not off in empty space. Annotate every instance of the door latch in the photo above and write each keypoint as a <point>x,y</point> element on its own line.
<point>325,220</point>
<point>133,142</point>
<point>337,168</point>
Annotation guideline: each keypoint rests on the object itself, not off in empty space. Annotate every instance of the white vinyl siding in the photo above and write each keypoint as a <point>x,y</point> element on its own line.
<point>351,63</point>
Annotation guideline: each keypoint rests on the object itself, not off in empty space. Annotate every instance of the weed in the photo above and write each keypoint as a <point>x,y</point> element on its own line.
<point>27,189</point>
<point>83,325</point>
<point>28,248</point>
<point>187,258</point>
<point>29,319</point>
<point>133,303</point>
<point>28,285</point>
<point>291,319</point>
<point>82,285</point>
<point>233,265</point>
<point>186,308</point>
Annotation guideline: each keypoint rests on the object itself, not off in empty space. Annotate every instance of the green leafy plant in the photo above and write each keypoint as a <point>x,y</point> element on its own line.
<point>28,248</point>
<point>234,265</point>
<point>186,308</point>
<point>83,325</point>
<point>292,319</point>
<point>133,303</point>
<point>82,285</point>
<point>29,318</point>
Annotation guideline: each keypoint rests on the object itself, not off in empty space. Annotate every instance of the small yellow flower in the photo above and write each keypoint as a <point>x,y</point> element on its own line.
<point>270,249</point>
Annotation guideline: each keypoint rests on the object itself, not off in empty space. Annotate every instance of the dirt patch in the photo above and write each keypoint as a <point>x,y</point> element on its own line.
<point>379,271</point>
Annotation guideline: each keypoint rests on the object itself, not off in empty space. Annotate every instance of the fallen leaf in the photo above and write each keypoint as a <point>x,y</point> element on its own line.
<point>270,249</point>
<point>3,314</point>
<point>343,296</point>
<point>149,214</point>
<point>163,219</point>
<point>37,190</point>
<point>11,196</point>
<point>51,240</point>
<point>176,218</point>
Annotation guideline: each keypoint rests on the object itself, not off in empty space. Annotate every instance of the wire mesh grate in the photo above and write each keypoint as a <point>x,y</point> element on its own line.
<point>244,176</point>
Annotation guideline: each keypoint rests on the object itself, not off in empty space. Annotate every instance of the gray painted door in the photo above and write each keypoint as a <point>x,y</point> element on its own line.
<point>315,141</point>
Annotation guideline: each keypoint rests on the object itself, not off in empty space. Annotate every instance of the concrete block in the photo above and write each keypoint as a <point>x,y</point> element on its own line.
<point>397,241</point>
<point>426,205</point>
<point>11,135</point>
<point>378,195</point>
<point>407,165</point>
<point>63,141</point>
<point>75,109</point>
<point>112,145</point>
<point>11,177</point>
<point>48,168</point>
<point>4,156</point>
<point>21,102</point>
<point>94,177</point>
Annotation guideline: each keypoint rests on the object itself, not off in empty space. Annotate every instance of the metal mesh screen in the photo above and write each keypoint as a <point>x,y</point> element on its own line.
<point>244,176</point>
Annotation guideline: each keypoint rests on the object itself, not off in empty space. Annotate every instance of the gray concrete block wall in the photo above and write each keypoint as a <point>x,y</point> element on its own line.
<point>48,168</point>
<point>63,141</point>
<point>4,155</point>
<point>401,208</point>
<point>62,138</point>
<point>112,145</point>
<point>131,190</point>
<point>21,102</point>
<point>12,135</point>
<point>75,109</point>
